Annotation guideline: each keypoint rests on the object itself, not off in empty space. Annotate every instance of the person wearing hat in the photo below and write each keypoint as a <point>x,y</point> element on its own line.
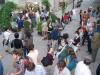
<point>82,68</point>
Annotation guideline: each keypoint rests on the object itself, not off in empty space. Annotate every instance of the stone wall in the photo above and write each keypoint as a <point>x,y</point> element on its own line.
<point>22,2</point>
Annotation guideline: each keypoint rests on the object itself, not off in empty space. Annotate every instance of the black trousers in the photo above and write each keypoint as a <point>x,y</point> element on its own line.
<point>89,45</point>
<point>84,37</point>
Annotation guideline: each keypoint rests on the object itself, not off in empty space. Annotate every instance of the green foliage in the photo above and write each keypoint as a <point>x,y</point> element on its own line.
<point>53,17</point>
<point>27,24</point>
<point>5,14</point>
<point>46,4</point>
<point>39,26</point>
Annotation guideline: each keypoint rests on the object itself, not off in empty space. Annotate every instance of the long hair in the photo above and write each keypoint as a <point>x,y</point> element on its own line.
<point>61,64</point>
<point>28,33</point>
<point>29,65</point>
<point>49,23</point>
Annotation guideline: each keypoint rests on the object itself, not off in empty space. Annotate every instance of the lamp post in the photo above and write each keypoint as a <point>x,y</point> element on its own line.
<point>73,3</point>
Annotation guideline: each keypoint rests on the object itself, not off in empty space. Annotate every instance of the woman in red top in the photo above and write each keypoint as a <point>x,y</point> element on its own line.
<point>66,17</point>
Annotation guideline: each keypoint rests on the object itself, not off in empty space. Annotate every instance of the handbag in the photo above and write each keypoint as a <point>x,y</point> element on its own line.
<point>44,61</point>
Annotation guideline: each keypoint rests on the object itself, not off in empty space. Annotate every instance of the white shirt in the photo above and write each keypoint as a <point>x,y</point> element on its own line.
<point>42,14</point>
<point>47,14</point>
<point>39,70</point>
<point>6,34</point>
<point>82,69</point>
<point>89,26</point>
<point>44,26</point>
<point>37,16</point>
<point>65,71</point>
<point>34,56</point>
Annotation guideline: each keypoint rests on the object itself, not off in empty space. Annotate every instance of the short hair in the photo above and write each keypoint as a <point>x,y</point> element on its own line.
<point>65,36</point>
<point>16,53</point>
<point>31,47</point>
<point>77,32</point>
<point>87,61</point>
<point>16,35</point>
<point>84,11</point>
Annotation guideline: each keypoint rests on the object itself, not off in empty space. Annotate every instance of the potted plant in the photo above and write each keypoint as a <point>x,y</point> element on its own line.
<point>39,28</point>
<point>53,17</point>
<point>46,4</point>
<point>5,14</point>
<point>27,25</point>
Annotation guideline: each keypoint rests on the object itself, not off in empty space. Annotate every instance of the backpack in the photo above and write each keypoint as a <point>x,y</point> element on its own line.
<point>44,61</point>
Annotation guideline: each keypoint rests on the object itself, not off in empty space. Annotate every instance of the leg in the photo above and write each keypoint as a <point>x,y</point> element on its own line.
<point>94,53</point>
<point>89,46</point>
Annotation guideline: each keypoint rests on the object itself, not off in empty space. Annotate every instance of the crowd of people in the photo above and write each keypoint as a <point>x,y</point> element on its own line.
<point>25,56</point>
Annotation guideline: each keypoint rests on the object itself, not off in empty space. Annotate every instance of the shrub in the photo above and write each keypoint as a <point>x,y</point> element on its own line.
<point>5,14</point>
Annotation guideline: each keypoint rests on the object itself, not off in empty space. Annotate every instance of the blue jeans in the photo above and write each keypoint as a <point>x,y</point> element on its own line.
<point>26,51</point>
<point>1,68</point>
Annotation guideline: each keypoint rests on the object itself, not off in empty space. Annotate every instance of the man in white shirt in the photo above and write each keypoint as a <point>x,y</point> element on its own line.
<point>7,38</point>
<point>6,34</point>
<point>82,67</point>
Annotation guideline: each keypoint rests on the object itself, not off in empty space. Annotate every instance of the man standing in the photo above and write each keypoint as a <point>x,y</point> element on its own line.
<point>82,67</point>
<point>17,43</point>
<point>95,45</point>
<point>6,39</point>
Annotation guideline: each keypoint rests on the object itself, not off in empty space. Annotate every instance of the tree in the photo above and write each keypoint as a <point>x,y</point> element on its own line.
<point>5,14</point>
<point>53,17</point>
<point>46,4</point>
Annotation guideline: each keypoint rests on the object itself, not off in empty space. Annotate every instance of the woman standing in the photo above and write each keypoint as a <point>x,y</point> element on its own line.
<point>28,41</point>
<point>50,28</point>
<point>32,69</point>
<point>76,39</point>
